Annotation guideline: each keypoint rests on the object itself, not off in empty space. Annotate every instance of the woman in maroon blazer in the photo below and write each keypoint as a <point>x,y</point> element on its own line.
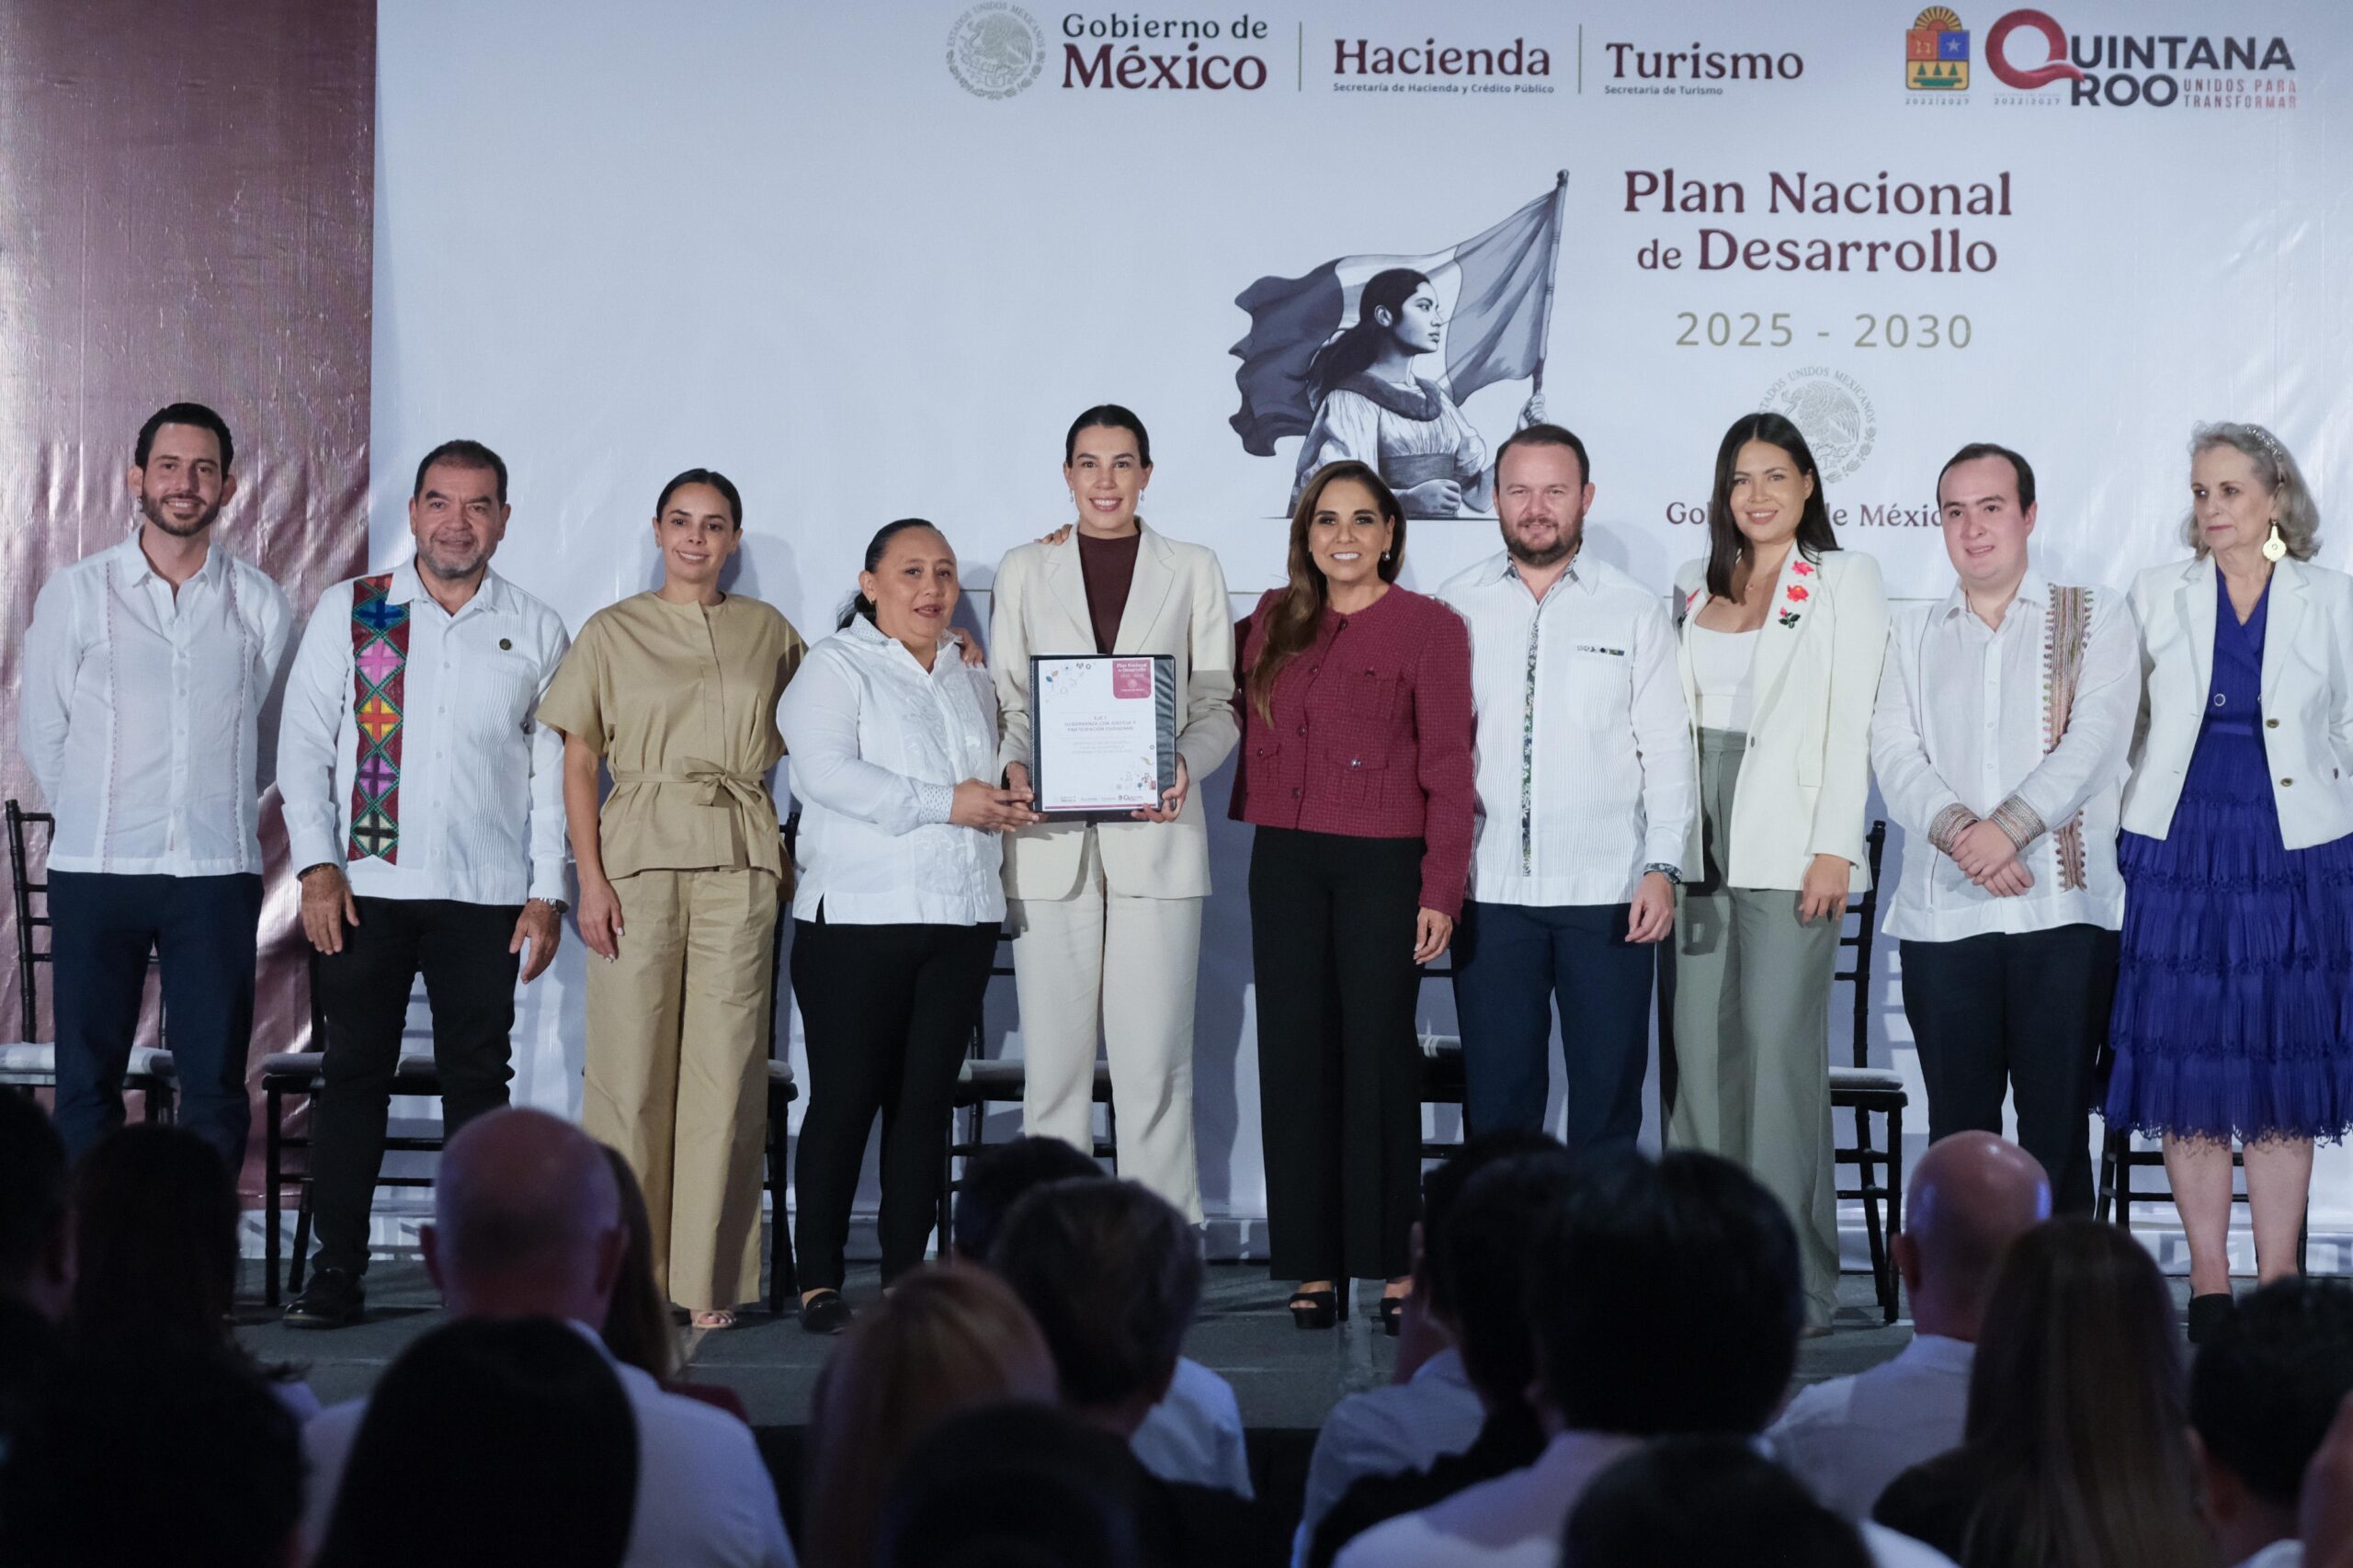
<point>1355,769</point>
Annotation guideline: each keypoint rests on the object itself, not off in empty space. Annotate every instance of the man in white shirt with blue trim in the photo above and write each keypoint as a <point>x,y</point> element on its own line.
<point>1586,790</point>
<point>425,810</point>
<point>145,671</point>
<point>2000,737</point>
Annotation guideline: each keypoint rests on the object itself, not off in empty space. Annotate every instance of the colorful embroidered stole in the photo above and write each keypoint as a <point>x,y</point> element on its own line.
<point>379,668</point>
<point>2066,630</point>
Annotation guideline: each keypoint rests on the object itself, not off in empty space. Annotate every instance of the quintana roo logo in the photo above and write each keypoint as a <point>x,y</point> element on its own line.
<point>1832,410</point>
<point>1935,52</point>
<point>996,50</point>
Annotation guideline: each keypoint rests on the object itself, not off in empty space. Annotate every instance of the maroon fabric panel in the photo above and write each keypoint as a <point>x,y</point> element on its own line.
<point>186,192</point>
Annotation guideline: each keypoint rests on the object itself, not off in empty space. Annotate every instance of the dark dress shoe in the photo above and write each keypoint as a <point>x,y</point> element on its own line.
<point>333,1300</point>
<point>1314,1309</point>
<point>1392,1316</point>
<point>824,1313</point>
<point>2208,1313</point>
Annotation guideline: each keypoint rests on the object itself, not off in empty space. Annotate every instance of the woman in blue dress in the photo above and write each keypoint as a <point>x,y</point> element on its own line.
<point>2234,999</point>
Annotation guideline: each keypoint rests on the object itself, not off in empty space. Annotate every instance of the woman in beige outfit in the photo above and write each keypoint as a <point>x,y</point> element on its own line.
<point>680,878</point>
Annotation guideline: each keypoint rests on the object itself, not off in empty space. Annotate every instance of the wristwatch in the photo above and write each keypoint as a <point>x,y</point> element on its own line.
<point>1672,874</point>
<point>555,904</point>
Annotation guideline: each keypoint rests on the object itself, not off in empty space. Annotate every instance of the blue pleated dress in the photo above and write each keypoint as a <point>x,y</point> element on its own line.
<point>2234,995</point>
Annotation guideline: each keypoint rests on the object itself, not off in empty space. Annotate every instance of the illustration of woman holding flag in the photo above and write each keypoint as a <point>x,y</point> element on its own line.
<point>1369,406</point>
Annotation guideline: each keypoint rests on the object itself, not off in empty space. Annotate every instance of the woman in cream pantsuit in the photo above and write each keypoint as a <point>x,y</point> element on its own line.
<point>1106,916</point>
<point>1782,634</point>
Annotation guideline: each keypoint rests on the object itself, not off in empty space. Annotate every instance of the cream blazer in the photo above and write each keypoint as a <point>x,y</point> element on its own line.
<point>1176,605</point>
<point>1804,784</point>
<point>2307,695</point>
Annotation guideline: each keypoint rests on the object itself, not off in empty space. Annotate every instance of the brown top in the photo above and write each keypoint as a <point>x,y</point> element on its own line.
<point>1108,566</point>
<point>680,702</point>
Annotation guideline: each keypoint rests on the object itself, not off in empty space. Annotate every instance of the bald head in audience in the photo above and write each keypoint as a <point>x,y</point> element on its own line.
<point>527,1221</point>
<point>1971,1195</point>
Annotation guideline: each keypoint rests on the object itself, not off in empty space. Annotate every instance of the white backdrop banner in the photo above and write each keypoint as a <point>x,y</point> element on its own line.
<point>871,260</point>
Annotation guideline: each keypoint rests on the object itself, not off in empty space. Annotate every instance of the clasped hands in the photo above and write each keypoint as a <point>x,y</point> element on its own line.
<point>1988,858</point>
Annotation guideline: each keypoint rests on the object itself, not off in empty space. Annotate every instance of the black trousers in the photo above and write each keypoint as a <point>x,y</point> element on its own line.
<point>1510,962</point>
<point>1339,1070</point>
<point>461,948</point>
<point>2025,1012</point>
<point>885,1011</point>
<point>102,926</point>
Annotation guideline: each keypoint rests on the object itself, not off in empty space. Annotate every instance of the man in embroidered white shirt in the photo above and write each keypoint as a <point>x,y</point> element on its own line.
<point>1586,790</point>
<point>1970,1198</point>
<point>2000,737</point>
<point>423,804</point>
<point>147,668</point>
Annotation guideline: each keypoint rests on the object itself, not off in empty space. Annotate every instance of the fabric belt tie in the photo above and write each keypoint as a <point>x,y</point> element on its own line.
<point>749,790</point>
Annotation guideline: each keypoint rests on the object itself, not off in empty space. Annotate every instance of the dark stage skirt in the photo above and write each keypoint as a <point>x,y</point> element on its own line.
<point>2234,997</point>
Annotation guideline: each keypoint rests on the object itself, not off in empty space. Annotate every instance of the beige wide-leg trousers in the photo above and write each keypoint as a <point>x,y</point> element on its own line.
<point>1752,1034</point>
<point>1099,965</point>
<point>677,1068</point>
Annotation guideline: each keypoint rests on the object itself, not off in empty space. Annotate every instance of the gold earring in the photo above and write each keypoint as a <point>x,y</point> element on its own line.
<point>2276,546</point>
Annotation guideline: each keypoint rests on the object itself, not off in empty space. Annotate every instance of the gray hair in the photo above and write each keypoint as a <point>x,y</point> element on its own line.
<point>2276,472</point>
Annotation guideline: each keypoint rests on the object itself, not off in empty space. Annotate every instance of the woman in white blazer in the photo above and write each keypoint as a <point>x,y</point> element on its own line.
<point>1106,916</point>
<point>1781,638</point>
<point>2235,995</point>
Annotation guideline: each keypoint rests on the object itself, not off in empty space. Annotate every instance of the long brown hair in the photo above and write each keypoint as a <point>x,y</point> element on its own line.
<point>2076,1401</point>
<point>1726,544</point>
<point>948,1338</point>
<point>1292,626</point>
<point>637,1328</point>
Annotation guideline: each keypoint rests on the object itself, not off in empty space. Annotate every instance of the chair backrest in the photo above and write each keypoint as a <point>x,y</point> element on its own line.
<point>1865,908</point>
<point>21,889</point>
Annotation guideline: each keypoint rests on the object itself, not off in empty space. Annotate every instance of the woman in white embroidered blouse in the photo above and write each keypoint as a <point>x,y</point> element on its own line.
<point>898,897</point>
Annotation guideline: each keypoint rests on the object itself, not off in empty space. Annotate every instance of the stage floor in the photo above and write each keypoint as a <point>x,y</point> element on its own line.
<point>1284,1379</point>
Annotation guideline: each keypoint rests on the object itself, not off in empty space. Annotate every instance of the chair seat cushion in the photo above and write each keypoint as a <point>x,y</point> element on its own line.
<point>1866,1080</point>
<point>39,1058</point>
<point>297,1072</point>
<point>1004,1078</point>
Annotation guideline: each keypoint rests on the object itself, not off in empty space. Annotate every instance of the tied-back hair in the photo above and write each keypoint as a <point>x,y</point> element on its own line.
<point>2076,1403</point>
<point>1107,416</point>
<point>710,476</point>
<point>2276,472</point>
<point>1291,627</point>
<point>859,605</point>
<point>1353,351</point>
<point>1727,546</point>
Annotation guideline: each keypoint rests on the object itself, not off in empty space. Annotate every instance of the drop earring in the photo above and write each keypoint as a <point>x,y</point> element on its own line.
<point>2275,549</point>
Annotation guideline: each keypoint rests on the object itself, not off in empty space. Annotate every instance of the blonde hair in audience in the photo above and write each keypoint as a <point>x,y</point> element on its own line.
<point>948,1338</point>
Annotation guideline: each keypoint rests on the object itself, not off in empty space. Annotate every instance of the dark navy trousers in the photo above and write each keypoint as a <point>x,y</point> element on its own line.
<point>1512,962</point>
<point>201,929</point>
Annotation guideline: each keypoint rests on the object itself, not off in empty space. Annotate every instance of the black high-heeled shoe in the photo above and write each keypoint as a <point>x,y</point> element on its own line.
<point>2208,1313</point>
<point>1314,1309</point>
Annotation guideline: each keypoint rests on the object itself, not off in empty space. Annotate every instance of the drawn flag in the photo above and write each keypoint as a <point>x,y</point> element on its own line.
<point>1495,293</point>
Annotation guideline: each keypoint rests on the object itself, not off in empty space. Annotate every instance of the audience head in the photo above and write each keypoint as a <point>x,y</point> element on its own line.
<point>2075,1403</point>
<point>525,1221</point>
<point>1664,1298</point>
<point>36,1247</point>
<point>1011,1486</point>
<point>1442,1187</point>
<point>1971,1195</point>
<point>1113,1273</point>
<point>2262,1395</point>
<point>153,1449</point>
<point>1002,1178</point>
<point>490,1442</point>
<point>1483,1259</point>
<point>945,1340</point>
<point>1704,1500</point>
<point>638,1329</point>
<point>155,1217</point>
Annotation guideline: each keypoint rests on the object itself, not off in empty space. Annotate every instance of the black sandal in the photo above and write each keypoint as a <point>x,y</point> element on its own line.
<point>1314,1309</point>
